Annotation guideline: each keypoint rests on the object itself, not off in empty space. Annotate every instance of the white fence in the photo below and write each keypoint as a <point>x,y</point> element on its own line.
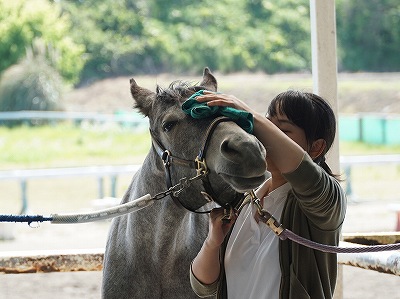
<point>24,175</point>
<point>122,117</point>
<point>348,162</point>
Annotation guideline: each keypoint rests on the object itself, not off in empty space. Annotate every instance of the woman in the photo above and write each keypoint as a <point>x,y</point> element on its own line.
<point>247,260</point>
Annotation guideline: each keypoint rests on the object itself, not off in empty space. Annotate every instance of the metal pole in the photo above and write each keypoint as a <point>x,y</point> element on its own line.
<point>324,72</point>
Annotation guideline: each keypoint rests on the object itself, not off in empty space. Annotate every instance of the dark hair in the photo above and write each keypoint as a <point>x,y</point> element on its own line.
<point>311,113</point>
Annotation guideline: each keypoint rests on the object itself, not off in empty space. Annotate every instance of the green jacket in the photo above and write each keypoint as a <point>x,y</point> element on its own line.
<point>315,209</point>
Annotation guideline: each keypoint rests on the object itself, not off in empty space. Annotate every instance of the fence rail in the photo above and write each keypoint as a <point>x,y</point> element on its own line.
<point>369,160</point>
<point>123,116</point>
<point>23,175</point>
<point>348,162</point>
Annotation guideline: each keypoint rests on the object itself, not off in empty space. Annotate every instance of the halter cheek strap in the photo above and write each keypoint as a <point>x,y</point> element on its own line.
<point>168,159</point>
<point>199,163</point>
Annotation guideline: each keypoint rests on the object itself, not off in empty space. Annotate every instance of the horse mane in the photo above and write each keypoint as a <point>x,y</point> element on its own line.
<point>178,89</point>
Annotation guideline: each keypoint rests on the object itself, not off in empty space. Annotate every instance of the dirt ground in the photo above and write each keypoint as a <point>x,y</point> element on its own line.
<point>357,283</point>
<point>357,92</point>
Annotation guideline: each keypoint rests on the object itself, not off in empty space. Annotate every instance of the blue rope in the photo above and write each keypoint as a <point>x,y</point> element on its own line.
<point>24,218</point>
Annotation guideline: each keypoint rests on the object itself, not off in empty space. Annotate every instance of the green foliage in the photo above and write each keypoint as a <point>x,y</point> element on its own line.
<point>95,39</point>
<point>154,36</point>
<point>369,35</point>
<point>112,32</point>
<point>30,85</point>
<point>22,22</point>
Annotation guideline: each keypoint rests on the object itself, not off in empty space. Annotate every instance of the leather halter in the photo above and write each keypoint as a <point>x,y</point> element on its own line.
<point>199,163</point>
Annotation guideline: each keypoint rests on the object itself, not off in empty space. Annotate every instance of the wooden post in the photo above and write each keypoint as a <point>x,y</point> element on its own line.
<point>324,73</point>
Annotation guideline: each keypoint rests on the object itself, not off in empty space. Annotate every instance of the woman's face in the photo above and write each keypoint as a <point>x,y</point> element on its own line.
<point>294,132</point>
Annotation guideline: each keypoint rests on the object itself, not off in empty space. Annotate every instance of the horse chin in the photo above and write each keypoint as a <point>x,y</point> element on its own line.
<point>243,184</point>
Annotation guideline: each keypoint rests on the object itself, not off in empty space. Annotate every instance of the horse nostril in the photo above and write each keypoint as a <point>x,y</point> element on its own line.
<point>230,150</point>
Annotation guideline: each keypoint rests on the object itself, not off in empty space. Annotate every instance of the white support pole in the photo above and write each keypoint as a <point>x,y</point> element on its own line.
<point>324,72</point>
<point>324,61</point>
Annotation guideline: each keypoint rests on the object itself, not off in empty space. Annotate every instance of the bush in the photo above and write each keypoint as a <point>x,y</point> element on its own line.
<point>30,85</point>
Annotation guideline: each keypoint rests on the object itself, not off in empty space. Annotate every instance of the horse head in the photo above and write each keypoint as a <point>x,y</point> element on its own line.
<point>235,160</point>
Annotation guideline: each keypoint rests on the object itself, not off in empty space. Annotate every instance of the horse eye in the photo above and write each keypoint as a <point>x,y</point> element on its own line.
<point>168,126</point>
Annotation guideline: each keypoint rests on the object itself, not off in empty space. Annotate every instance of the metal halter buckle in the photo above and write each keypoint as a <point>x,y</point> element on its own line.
<point>201,166</point>
<point>265,216</point>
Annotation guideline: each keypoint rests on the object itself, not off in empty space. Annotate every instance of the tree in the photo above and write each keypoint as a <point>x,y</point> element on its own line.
<point>127,36</point>
<point>22,22</point>
<point>369,35</point>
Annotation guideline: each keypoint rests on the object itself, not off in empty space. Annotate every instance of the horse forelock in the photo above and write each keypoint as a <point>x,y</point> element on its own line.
<point>177,91</point>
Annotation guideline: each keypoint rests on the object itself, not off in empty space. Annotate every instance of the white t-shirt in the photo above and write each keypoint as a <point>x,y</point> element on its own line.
<point>252,253</point>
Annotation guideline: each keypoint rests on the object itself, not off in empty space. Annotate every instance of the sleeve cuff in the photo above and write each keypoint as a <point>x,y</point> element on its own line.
<point>202,290</point>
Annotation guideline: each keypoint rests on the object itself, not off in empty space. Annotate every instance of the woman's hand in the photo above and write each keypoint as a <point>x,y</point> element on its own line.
<point>206,265</point>
<point>218,227</point>
<point>220,99</point>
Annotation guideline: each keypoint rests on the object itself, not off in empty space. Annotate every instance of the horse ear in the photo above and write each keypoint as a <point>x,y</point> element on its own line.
<point>143,97</point>
<point>209,81</point>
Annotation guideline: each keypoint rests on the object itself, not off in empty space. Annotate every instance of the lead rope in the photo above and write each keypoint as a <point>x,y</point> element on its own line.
<point>112,212</point>
<point>284,233</point>
<point>122,209</point>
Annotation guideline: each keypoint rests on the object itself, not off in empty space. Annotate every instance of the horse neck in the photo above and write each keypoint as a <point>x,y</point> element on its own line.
<point>150,178</point>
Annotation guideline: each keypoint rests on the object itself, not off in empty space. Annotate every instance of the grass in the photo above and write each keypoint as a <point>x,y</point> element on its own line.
<point>361,148</point>
<point>68,145</point>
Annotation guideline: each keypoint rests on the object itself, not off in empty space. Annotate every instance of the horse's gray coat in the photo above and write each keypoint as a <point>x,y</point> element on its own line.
<point>149,252</point>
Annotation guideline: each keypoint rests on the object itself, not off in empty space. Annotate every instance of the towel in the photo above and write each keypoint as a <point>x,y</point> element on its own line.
<point>199,110</point>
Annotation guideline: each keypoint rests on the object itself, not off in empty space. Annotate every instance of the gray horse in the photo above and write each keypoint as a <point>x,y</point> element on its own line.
<point>149,252</point>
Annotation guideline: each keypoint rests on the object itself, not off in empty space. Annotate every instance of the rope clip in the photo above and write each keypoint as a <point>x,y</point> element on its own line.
<point>271,221</point>
<point>265,216</point>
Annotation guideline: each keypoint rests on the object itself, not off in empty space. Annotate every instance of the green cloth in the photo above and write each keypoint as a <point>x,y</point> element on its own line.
<point>199,110</point>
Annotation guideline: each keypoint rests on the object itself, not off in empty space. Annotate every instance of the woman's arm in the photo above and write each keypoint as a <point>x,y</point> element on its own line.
<point>320,195</point>
<point>206,265</point>
<point>284,152</point>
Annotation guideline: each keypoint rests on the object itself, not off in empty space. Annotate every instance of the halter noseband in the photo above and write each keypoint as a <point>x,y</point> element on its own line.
<point>199,163</point>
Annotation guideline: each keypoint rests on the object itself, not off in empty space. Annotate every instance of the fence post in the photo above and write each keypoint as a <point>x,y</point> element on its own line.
<point>349,187</point>
<point>101,186</point>
<point>24,198</point>
<point>113,185</point>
